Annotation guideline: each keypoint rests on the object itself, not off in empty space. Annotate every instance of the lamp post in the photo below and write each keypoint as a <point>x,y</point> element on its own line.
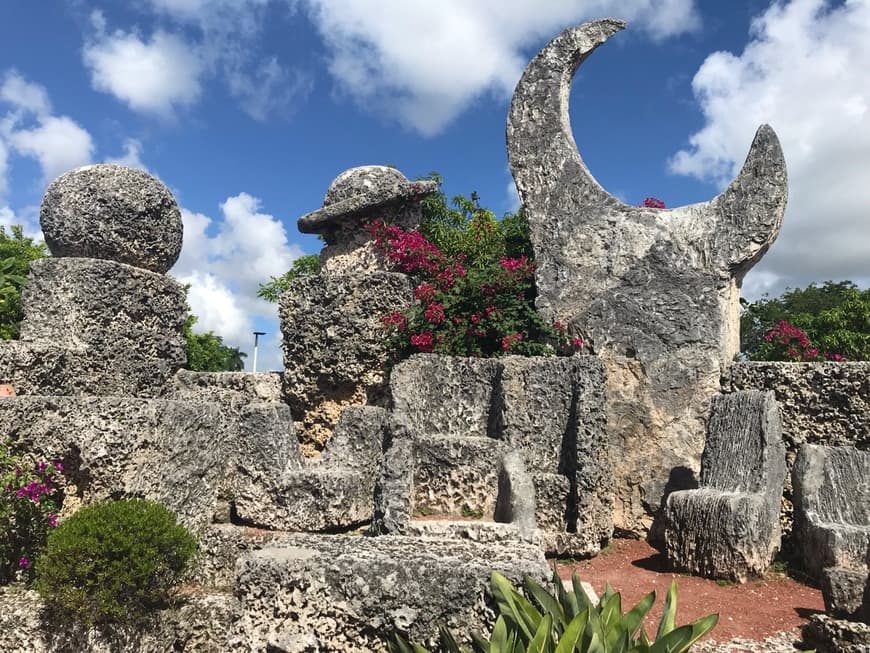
<point>257,335</point>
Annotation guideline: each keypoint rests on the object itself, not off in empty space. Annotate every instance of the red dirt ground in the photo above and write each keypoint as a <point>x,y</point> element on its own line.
<point>754,610</point>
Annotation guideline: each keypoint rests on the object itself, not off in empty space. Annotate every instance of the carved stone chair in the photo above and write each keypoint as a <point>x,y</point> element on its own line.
<point>729,528</point>
<point>832,524</point>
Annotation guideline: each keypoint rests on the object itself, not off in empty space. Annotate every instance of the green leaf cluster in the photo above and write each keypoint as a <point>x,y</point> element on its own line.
<point>206,352</point>
<point>113,562</point>
<point>303,266</point>
<point>16,254</point>
<point>834,315</point>
<point>566,622</point>
<point>462,226</point>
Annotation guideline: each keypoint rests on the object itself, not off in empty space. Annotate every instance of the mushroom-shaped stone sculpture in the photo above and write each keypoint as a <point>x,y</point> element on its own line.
<point>358,197</point>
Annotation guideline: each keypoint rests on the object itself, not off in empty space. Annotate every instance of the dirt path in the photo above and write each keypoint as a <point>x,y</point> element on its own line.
<point>755,610</point>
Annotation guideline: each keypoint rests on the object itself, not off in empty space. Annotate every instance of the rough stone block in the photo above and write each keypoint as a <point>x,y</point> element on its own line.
<point>832,524</point>
<point>341,593</point>
<point>447,395</point>
<point>335,346</point>
<point>196,623</point>
<point>228,387</point>
<point>178,453</point>
<point>358,441</point>
<point>827,635</point>
<point>843,591</point>
<point>549,410</point>
<point>456,476</point>
<point>123,324</point>
<point>729,528</point>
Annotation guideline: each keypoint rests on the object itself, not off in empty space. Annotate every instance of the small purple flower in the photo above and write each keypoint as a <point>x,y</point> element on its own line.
<point>52,520</point>
<point>40,466</point>
<point>24,563</point>
<point>58,466</point>
<point>18,471</point>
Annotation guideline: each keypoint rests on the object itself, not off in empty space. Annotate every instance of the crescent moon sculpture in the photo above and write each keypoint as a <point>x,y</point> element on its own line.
<point>654,292</point>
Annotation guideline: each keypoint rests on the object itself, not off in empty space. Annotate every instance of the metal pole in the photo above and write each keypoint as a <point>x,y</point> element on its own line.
<point>257,335</point>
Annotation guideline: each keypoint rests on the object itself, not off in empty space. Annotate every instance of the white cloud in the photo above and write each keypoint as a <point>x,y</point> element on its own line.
<point>804,72</point>
<point>24,95</point>
<point>154,76</point>
<point>132,156</point>
<point>58,143</point>
<point>29,129</point>
<point>224,262</point>
<point>268,89</point>
<point>423,63</point>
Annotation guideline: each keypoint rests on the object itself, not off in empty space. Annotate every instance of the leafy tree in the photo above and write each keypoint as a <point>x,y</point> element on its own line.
<point>835,316</point>
<point>16,254</point>
<point>302,266</point>
<point>206,352</point>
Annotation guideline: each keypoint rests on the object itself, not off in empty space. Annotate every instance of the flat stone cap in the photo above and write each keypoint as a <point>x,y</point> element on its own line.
<point>112,212</point>
<point>358,192</point>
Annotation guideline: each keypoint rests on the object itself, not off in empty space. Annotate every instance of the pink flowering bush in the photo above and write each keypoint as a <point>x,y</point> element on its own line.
<point>466,305</point>
<point>653,203</point>
<point>29,503</point>
<point>785,342</point>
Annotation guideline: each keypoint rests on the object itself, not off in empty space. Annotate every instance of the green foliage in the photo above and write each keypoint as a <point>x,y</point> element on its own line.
<point>112,562</point>
<point>206,352</point>
<point>467,229</point>
<point>566,621</point>
<point>29,502</point>
<point>16,254</point>
<point>303,266</point>
<point>835,316</point>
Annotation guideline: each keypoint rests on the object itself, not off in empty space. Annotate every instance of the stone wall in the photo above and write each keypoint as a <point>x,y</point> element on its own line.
<point>821,403</point>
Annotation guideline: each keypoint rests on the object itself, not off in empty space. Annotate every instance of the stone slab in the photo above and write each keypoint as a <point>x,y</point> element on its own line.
<point>343,593</point>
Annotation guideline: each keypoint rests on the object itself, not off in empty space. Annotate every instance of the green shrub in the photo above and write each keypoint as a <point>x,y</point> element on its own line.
<point>112,562</point>
<point>565,621</point>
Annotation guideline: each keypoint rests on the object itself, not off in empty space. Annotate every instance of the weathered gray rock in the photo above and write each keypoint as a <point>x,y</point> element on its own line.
<point>198,623</point>
<point>334,492</point>
<point>729,528</point>
<point>447,396</point>
<point>653,292</point>
<point>826,635</point>
<point>339,593</point>
<point>39,368</point>
<point>112,212</point>
<point>177,453</point>
<point>201,459</point>
<point>463,415</point>
<point>552,410</point>
<point>220,546</point>
<point>335,349</point>
<point>821,403</point>
<point>121,325</point>
<point>832,522</point>
<point>228,387</point>
<point>516,494</point>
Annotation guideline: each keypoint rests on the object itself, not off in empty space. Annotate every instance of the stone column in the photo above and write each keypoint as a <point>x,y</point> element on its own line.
<point>103,297</point>
<point>335,349</point>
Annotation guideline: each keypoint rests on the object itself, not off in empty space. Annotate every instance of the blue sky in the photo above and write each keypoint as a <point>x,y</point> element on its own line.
<point>247,109</point>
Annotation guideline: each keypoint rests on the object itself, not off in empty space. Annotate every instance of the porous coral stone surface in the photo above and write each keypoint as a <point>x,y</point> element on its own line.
<point>112,212</point>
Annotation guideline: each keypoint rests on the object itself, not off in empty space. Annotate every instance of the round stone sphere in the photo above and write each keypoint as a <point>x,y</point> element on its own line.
<point>112,212</point>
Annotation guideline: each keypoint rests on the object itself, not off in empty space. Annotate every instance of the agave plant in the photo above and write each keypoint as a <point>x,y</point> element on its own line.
<point>567,622</point>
